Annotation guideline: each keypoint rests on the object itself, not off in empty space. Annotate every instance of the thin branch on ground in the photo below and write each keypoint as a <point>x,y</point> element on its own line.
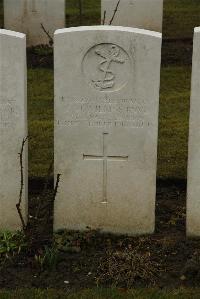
<point>48,35</point>
<point>18,205</point>
<point>115,11</point>
<point>104,17</point>
<point>56,186</point>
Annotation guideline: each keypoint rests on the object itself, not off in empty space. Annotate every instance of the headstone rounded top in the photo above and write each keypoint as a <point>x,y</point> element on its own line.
<point>109,28</point>
<point>12,33</point>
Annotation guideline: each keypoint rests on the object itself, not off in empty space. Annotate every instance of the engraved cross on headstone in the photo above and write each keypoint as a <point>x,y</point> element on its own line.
<point>105,158</point>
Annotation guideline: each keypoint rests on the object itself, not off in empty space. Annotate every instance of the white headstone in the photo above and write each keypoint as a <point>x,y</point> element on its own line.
<point>13,126</point>
<point>106,123</point>
<point>145,14</point>
<point>28,16</point>
<point>193,192</point>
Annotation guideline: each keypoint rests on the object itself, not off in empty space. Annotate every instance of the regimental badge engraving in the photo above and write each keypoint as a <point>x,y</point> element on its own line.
<point>107,76</point>
<point>107,67</point>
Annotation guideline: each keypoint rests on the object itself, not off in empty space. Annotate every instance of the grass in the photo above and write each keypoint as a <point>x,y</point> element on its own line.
<point>102,294</point>
<point>180,18</point>
<point>91,13</point>
<point>40,120</point>
<point>174,117</point>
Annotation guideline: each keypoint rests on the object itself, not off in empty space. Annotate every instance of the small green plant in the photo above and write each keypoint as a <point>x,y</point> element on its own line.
<point>48,259</point>
<point>39,261</point>
<point>11,243</point>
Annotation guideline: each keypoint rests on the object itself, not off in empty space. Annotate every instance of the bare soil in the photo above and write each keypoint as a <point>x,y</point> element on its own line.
<point>177,258</point>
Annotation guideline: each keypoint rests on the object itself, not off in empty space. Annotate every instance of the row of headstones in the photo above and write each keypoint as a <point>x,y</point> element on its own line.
<point>38,19</point>
<point>106,125</point>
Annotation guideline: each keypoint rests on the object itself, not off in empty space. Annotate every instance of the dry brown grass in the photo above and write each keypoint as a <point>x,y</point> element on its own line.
<point>127,267</point>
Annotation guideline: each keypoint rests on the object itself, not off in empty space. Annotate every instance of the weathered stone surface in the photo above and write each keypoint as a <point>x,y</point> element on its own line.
<point>27,16</point>
<point>13,126</point>
<point>106,123</point>
<point>193,192</point>
<point>145,14</point>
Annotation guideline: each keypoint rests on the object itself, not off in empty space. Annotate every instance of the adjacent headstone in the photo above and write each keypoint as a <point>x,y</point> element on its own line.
<point>106,123</point>
<point>36,18</point>
<point>193,192</point>
<point>13,127</point>
<point>145,14</point>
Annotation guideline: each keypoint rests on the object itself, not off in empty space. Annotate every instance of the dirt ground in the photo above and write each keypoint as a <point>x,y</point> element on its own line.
<point>173,259</point>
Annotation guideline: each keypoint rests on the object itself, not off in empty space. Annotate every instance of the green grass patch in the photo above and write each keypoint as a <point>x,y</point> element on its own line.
<point>91,13</point>
<point>40,120</point>
<point>180,18</point>
<point>174,118</point>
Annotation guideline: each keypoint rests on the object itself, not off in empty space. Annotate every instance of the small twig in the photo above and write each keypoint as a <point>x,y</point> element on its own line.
<point>56,186</point>
<point>18,205</point>
<point>104,17</point>
<point>48,35</point>
<point>115,11</point>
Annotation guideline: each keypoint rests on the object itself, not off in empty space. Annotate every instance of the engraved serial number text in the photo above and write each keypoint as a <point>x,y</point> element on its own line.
<point>104,113</point>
